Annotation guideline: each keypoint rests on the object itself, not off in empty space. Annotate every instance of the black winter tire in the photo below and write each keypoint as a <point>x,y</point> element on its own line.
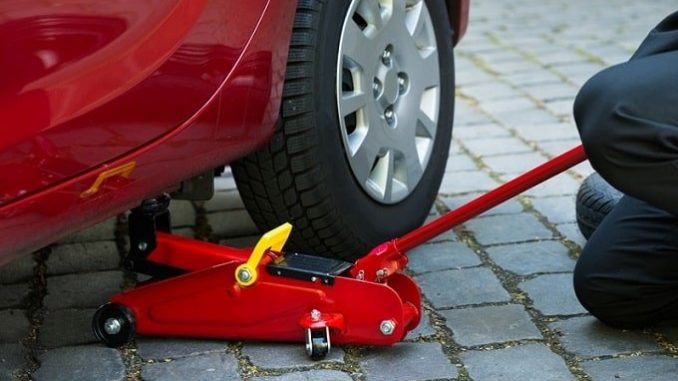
<point>303,175</point>
<point>595,199</point>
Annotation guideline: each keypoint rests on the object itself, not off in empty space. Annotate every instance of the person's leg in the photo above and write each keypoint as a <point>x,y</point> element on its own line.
<point>627,116</point>
<point>627,275</point>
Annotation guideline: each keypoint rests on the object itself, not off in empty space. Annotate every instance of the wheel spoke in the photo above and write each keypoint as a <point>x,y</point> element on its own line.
<point>351,102</point>
<point>426,127</point>
<point>356,47</point>
<point>415,19</point>
<point>370,11</point>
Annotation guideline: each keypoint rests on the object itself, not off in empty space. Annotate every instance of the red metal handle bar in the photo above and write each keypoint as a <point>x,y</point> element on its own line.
<point>388,257</point>
<point>491,199</point>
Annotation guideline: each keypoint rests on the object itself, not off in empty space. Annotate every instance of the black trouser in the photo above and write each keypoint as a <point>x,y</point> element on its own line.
<point>627,117</point>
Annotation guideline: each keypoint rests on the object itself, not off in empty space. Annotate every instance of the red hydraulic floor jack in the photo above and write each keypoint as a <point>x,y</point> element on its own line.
<point>205,290</point>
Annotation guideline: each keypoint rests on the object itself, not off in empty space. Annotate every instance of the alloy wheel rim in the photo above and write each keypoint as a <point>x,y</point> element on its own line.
<point>388,94</point>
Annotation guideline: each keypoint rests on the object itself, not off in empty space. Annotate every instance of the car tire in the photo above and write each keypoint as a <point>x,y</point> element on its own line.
<point>595,199</point>
<point>306,174</point>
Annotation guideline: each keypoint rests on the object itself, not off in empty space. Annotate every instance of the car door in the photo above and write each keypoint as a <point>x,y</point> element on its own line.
<point>85,81</point>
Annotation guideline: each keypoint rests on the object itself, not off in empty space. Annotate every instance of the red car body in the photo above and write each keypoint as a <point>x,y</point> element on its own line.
<point>106,103</point>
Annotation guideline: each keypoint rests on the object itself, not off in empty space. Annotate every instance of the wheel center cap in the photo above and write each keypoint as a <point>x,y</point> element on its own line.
<point>391,86</point>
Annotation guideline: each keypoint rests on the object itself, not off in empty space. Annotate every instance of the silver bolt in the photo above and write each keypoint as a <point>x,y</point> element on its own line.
<point>244,275</point>
<point>376,86</point>
<point>386,56</point>
<point>387,327</point>
<point>402,83</point>
<point>112,326</point>
<point>142,246</point>
<point>315,315</point>
<point>389,115</point>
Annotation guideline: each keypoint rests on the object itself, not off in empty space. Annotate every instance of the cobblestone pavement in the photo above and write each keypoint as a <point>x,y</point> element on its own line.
<point>499,301</point>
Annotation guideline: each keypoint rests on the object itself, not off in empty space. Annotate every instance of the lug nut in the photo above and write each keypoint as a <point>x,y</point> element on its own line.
<point>376,86</point>
<point>389,115</point>
<point>386,56</point>
<point>387,327</point>
<point>403,82</point>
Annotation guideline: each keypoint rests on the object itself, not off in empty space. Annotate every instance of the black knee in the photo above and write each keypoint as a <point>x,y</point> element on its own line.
<point>604,298</point>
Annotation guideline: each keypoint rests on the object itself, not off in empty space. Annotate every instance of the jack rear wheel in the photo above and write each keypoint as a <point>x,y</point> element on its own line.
<point>317,343</point>
<point>113,324</point>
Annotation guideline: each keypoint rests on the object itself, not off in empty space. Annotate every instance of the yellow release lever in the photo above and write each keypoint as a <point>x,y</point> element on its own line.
<point>124,170</point>
<point>246,274</point>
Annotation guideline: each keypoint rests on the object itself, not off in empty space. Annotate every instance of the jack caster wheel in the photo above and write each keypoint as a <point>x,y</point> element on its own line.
<point>113,324</point>
<point>318,343</point>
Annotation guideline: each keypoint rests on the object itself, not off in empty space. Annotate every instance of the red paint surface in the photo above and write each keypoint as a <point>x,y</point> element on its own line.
<point>178,86</point>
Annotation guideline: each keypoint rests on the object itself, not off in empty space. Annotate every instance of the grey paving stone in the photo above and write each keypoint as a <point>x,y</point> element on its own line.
<point>557,147</point>
<point>104,231</point>
<point>553,294</point>
<point>14,326</point>
<point>241,242</point>
<point>557,210</point>
<point>184,232</point>
<point>561,107</point>
<point>13,295</point>
<point>18,270</point>
<point>509,207</point>
<point>86,256</point>
<point>496,146</point>
<point>231,223</point>
<point>525,362</point>
<point>514,164</point>
<point>584,169</point>
<point>560,185</point>
<point>480,131</point>
<point>533,78</point>
<point>441,256</point>
<point>424,329</point>
<point>489,91</point>
<point>514,67</point>
<point>81,363</point>
<point>516,118</point>
<point>211,366</point>
<point>452,288</point>
<point>547,91</point>
<point>159,348</point>
<point>502,105</point>
<point>507,229</point>
<point>273,355</point>
<point>311,375</point>
<point>533,257</point>
<point>466,182</point>
<point>182,213</point>
<point>646,368</point>
<point>492,324</point>
<point>572,233</point>
<point>407,361</point>
<point>82,290</point>
<point>11,360</point>
<point>225,181</point>
<point>587,337</point>
<point>67,327</point>
<point>549,133</point>
<point>224,201</point>
<point>460,163</point>
<point>447,236</point>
